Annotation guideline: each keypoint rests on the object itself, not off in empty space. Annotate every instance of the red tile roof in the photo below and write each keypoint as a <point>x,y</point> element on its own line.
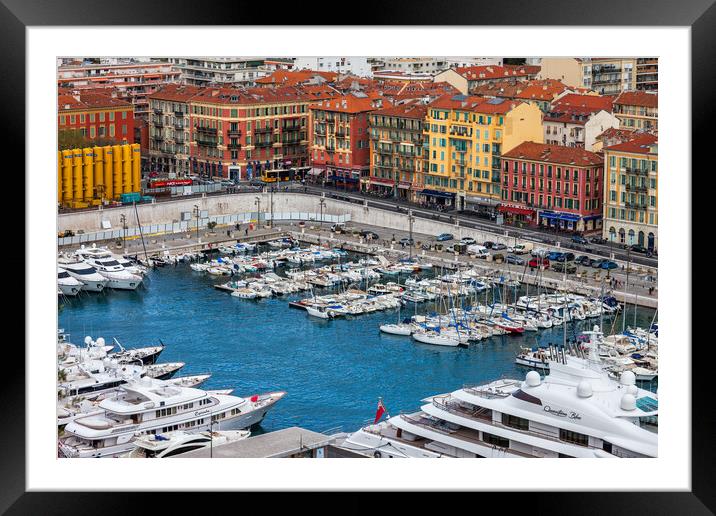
<point>175,92</point>
<point>475,104</point>
<point>584,103</point>
<point>639,145</point>
<point>80,101</point>
<point>638,98</point>
<point>409,110</point>
<point>486,72</point>
<point>294,77</point>
<point>554,154</point>
<point>349,104</point>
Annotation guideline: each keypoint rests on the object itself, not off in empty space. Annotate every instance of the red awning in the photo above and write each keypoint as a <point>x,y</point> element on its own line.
<point>382,181</point>
<point>516,210</point>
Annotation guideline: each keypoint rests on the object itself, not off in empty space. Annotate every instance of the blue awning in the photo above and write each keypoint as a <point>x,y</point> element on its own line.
<point>568,216</point>
<point>436,193</point>
<point>592,217</point>
<point>559,216</point>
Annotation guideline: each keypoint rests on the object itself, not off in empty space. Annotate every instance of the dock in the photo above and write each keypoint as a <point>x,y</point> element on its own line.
<point>292,442</point>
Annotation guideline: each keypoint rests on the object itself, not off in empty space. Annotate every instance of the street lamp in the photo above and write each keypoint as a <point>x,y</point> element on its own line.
<point>196,215</point>
<point>257,203</point>
<point>123,218</point>
<point>321,204</point>
<point>410,230</point>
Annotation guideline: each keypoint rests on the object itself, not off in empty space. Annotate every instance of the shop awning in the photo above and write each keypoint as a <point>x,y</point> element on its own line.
<point>516,210</point>
<point>559,216</point>
<point>592,217</point>
<point>346,179</point>
<point>316,172</point>
<point>436,193</point>
<point>382,181</point>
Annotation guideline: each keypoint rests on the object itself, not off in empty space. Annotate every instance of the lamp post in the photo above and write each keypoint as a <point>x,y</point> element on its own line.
<point>123,218</point>
<point>257,203</point>
<point>410,231</point>
<point>196,215</point>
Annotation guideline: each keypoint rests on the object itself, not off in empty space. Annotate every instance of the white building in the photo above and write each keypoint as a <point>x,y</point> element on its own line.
<point>222,71</point>
<point>577,130</point>
<point>343,65</point>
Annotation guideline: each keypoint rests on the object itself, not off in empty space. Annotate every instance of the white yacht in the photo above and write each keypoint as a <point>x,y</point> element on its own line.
<point>108,266</point>
<point>175,443</point>
<point>91,280</point>
<point>148,406</point>
<point>68,285</point>
<point>575,411</point>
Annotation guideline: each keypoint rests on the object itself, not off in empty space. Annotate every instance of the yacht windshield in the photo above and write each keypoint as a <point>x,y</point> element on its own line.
<point>63,275</point>
<point>110,263</point>
<point>88,270</point>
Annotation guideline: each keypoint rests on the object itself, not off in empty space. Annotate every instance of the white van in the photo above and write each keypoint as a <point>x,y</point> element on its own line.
<point>477,250</point>
<point>521,248</point>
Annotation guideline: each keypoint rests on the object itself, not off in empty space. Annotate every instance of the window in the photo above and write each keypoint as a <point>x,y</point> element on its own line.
<point>514,421</point>
<point>573,437</point>
<point>495,440</point>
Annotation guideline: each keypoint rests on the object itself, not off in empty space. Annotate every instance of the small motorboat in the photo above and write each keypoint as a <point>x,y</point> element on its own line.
<point>397,329</point>
<point>320,313</point>
<point>434,338</point>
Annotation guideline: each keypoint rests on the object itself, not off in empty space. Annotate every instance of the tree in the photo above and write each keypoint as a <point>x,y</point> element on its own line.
<point>74,139</point>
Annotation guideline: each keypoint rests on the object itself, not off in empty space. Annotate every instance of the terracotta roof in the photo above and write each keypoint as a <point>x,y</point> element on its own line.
<point>175,92</point>
<point>83,100</point>
<point>475,104</point>
<point>584,103</point>
<point>638,145</point>
<point>475,73</point>
<point>252,96</point>
<point>554,154</point>
<point>349,104</point>
<point>618,133</point>
<point>637,98</point>
<point>294,77</point>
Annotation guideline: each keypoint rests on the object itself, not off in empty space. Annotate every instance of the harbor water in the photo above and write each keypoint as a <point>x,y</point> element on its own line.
<point>333,371</point>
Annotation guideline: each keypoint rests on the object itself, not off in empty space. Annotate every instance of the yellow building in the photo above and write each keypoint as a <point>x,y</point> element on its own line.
<point>466,137</point>
<point>631,192</point>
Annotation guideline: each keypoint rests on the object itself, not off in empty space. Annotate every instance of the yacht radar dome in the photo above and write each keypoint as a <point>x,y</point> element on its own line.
<point>533,379</point>
<point>632,389</point>
<point>88,340</point>
<point>627,378</point>
<point>100,341</point>
<point>628,402</point>
<point>584,389</point>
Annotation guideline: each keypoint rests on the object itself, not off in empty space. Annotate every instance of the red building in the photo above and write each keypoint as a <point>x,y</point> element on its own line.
<point>553,186</point>
<point>95,116</point>
<point>339,148</point>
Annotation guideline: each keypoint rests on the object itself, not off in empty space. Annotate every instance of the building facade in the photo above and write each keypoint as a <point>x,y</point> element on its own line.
<point>396,151</point>
<point>638,110</point>
<point>631,192</point>
<point>466,137</point>
<point>245,134</point>
<point>647,73</point>
<point>169,130</point>
<point>553,186</point>
<point>576,120</point>
<point>223,71</point>
<point>354,65</point>
<point>340,140</point>
<point>608,76</point>
<point>95,117</point>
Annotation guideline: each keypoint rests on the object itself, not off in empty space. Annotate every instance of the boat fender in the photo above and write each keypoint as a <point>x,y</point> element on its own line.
<point>377,455</point>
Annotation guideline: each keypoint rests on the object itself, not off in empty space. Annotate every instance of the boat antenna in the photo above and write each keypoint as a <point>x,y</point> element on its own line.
<point>117,343</point>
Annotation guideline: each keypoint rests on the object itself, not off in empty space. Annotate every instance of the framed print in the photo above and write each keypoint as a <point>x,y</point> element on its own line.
<point>444,243</point>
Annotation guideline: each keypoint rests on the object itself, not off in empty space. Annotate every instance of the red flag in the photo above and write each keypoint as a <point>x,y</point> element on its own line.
<point>255,398</point>
<point>381,410</point>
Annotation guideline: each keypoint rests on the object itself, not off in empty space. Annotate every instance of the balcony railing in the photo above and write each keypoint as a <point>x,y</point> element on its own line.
<point>260,130</point>
<point>234,133</point>
<point>636,188</point>
<point>636,205</point>
<point>637,170</point>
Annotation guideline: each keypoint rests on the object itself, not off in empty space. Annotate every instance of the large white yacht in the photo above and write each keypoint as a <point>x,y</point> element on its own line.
<point>68,285</point>
<point>148,406</point>
<point>175,443</point>
<point>108,266</point>
<point>575,411</point>
<point>91,280</point>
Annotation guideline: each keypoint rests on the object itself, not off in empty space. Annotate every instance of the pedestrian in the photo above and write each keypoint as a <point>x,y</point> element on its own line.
<point>246,231</point>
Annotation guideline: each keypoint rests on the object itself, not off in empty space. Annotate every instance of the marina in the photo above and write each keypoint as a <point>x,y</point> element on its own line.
<point>259,344</point>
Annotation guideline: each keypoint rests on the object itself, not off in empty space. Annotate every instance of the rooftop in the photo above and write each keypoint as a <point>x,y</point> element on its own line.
<point>496,72</point>
<point>554,154</point>
<point>642,144</point>
<point>638,98</point>
<point>76,101</point>
<point>176,92</point>
<point>281,443</point>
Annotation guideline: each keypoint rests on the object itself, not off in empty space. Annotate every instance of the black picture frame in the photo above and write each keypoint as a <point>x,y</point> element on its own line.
<point>699,15</point>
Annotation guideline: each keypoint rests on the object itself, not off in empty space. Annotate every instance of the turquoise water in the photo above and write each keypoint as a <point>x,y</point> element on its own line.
<point>333,371</point>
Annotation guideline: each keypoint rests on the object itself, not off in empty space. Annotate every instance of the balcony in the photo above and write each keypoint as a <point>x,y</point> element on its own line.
<point>263,130</point>
<point>637,171</point>
<point>158,112</point>
<point>179,114</point>
<point>263,144</point>
<point>179,125</point>
<point>636,205</point>
<point>636,188</point>
<point>234,146</point>
<point>234,133</point>
<point>158,122</point>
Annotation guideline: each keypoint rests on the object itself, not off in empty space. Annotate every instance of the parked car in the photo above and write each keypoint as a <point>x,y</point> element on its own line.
<point>583,260</point>
<point>477,250</point>
<point>442,237</point>
<point>555,256</point>
<point>488,244</point>
<point>515,260</point>
<point>369,235</point>
<point>456,248</point>
<point>639,249</point>
<point>599,240</point>
<point>407,241</point>
<point>539,252</point>
<point>339,227</point>
<point>520,248</point>
<point>567,267</point>
<point>468,241</point>
<point>597,263</point>
<point>498,247</point>
<point>536,262</point>
<point>608,264</point>
<point>579,239</point>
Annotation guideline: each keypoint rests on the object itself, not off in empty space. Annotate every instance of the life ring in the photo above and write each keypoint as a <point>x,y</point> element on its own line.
<point>377,454</point>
